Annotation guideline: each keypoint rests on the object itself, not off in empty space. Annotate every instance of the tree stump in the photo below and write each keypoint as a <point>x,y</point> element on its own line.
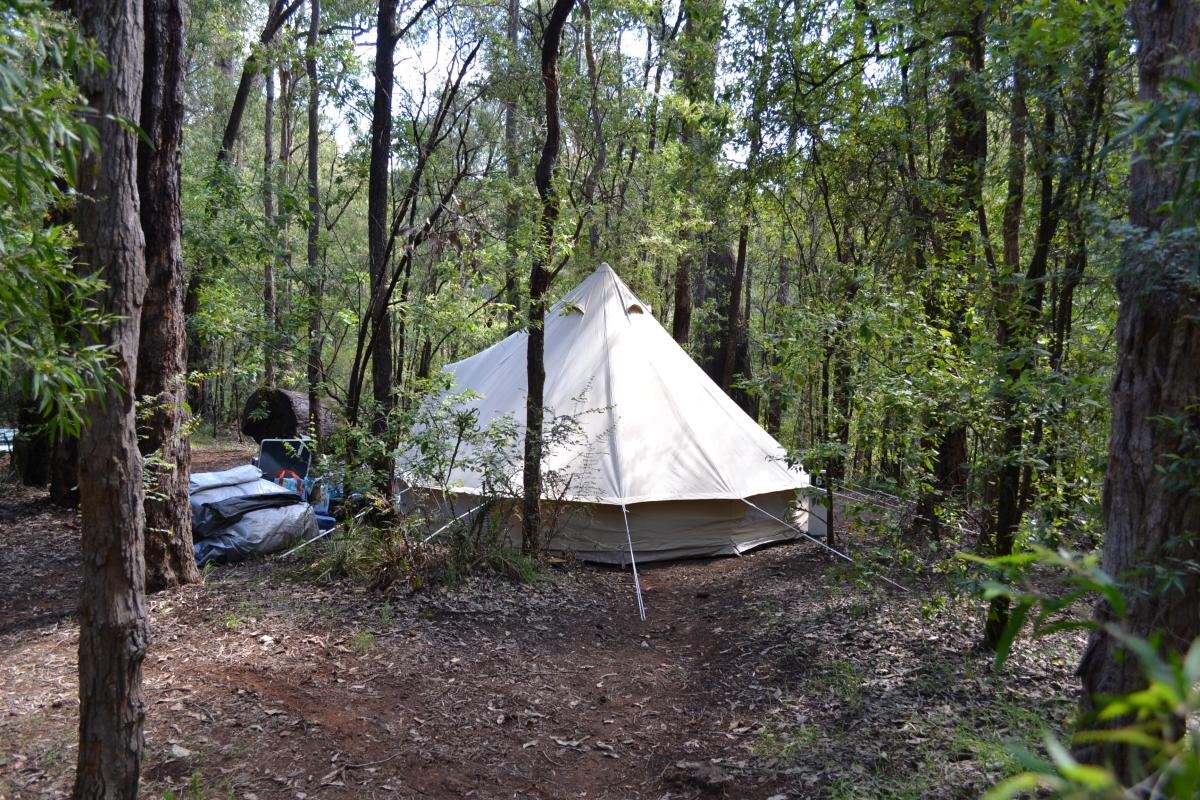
<point>280,414</point>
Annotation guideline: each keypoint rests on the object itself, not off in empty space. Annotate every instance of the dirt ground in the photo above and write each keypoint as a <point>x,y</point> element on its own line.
<point>776,675</point>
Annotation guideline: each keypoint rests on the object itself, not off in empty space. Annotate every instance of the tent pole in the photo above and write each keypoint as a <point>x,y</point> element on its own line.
<point>815,540</point>
<point>637,583</point>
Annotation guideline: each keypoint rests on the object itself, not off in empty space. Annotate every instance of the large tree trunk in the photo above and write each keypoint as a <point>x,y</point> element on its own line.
<point>161,372</point>
<point>1151,518</point>
<point>539,283</point>
<point>114,627</point>
<point>377,213</point>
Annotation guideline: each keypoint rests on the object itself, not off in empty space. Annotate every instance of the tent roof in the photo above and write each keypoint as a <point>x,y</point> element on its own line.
<point>657,428</point>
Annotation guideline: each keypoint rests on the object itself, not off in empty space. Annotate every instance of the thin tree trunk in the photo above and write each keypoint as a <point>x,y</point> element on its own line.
<point>197,348</point>
<point>1151,519</point>
<point>316,279</point>
<point>696,74</point>
<point>279,14</point>
<point>961,169</point>
<point>512,210</point>
<point>377,213</point>
<point>1010,295</point>
<point>539,282</point>
<point>681,317</point>
<point>269,220</point>
<point>733,313</point>
<point>593,176</point>
<point>162,364</point>
<point>777,402</point>
<point>287,89</point>
<point>114,627</point>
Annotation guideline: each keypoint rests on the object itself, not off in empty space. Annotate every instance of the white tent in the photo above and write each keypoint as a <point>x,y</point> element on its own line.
<point>663,446</point>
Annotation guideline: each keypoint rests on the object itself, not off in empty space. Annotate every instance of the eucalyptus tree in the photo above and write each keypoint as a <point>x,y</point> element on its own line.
<point>1151,507</point>
<point>162,370</point>
<point>114,622</point>
<point>541,273</point>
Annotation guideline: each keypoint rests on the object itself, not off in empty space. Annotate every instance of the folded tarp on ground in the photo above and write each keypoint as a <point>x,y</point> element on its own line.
<point>237,514</point>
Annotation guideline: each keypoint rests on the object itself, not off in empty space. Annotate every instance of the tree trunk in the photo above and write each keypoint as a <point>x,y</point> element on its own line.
<point>316,279</point>
<point>279,14</point>
<point>161,372</point>
<point>32,450</point>
<point>681,317</point>
<point>539,283</point>
<point>733,312</point>
<point>593,176</point>
<point>114,627</point>
<point>777,401</point>
<point>1151,516</point>
<point>961,170</point>
<point>512,208</point>
<point>377,213</point>
<point>269,219</point>
<point>1004,489</point>
<point>696,75</point>
<point>197,348</point>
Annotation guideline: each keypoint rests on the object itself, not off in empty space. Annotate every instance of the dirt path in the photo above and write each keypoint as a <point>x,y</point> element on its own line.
<point>768,676</point>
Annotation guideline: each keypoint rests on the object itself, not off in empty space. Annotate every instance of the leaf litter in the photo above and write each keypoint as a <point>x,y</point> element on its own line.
<point>776,675</point>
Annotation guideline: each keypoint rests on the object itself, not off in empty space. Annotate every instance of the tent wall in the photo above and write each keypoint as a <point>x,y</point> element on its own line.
<point>677,529</point>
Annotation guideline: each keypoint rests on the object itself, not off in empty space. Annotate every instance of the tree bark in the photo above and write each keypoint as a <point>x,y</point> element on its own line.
<point>113,621</point>
<point>377,213</point>
<point>162,363</point>
<point>1151,517</point>
<point>539,283</point>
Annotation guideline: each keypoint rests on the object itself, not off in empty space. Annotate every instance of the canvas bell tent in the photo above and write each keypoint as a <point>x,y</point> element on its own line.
<point>657,445</point>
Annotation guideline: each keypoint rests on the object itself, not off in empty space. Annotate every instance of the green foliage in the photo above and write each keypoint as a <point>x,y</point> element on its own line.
<point>439,535</point>
<point>1148,719</point>
<point>47,327</point>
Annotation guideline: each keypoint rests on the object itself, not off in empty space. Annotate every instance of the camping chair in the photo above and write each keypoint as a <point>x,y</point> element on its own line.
<point>288,463</point>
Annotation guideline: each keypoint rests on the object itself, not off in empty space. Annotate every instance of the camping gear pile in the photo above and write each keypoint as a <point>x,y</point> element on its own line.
<point>258,508</point>
<point>669,466</point>
<point>237,514</point>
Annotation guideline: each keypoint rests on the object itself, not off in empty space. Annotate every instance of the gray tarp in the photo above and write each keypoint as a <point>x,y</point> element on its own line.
<point>252,527</point>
